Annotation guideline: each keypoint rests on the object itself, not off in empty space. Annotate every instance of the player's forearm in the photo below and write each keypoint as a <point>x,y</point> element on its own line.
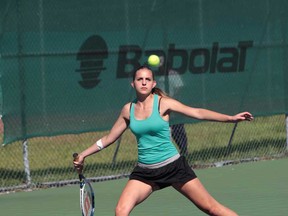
<point>97,146</point>
<point>89,151</point>
<point>205,114</point>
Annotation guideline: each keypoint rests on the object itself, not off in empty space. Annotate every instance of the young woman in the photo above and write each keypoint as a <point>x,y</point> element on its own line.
<point>159,163</point>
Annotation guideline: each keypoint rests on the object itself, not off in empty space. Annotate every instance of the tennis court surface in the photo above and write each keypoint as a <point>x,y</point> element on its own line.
<point>251,189</point>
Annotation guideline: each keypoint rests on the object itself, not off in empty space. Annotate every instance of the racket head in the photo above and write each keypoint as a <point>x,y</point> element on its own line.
<point>87,197</point>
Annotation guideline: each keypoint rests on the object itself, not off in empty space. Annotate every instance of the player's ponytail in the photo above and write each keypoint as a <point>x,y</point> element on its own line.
<point>159,92</point>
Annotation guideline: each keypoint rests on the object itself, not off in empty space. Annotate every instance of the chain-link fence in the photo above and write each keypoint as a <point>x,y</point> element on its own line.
<point>209,144</point>
<point>66,69</point>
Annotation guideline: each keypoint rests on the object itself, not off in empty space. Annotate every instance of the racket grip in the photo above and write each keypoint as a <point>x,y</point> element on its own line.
<point>247,117</point>
<point>75,156</point>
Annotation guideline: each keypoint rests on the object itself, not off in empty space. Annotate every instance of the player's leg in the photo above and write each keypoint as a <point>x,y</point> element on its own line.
<point>195,191</point>
<point>134,193</point>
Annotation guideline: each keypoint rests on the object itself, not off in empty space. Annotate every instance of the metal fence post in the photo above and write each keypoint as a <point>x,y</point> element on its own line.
<point>286,131</point>
<point>26,162</point>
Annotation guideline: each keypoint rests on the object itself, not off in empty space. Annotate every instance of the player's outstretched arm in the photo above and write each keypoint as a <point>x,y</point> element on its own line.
<point>172,105</point>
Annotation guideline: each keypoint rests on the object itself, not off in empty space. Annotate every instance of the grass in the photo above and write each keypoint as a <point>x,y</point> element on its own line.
<point>50,158</point>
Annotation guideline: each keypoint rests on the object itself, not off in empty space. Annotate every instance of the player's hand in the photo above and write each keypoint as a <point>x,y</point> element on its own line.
<point>78,162</point>
<point>244,116</point>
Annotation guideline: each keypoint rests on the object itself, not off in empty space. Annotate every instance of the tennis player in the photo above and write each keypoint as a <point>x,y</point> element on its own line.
<point>159,163</point>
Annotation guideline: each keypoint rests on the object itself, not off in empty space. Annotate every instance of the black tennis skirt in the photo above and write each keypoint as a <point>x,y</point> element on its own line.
<point>178,171</point>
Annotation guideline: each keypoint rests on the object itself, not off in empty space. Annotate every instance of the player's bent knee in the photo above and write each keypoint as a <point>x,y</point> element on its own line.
<point>214,210</point>
<point>218,210</point>
<point>122,210</point>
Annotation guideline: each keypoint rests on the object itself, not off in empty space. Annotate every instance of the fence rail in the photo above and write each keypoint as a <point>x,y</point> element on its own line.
<point>47,161</point>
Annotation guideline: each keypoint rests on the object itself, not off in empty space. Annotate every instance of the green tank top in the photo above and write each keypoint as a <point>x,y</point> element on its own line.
<point>153,136</point>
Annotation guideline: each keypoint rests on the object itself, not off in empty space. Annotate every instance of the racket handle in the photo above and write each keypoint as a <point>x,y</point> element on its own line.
<point>247,117</point>
<point>75,156</point>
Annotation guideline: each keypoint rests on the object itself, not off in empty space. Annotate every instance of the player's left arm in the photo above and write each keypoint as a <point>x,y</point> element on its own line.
<point>172,105</point>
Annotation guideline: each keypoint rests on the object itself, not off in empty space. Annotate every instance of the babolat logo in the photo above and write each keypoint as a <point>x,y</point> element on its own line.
<point>197,61</point>
<point>213,59</point>
<point>91,55</point>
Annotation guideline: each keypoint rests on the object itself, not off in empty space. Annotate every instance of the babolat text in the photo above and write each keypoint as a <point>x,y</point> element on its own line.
<point>214,59</point>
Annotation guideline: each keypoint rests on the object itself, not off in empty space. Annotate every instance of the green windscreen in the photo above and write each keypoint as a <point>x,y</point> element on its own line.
<point>66,66</point>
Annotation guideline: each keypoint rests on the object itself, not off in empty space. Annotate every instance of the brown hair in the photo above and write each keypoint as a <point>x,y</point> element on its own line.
<point>155,90</point>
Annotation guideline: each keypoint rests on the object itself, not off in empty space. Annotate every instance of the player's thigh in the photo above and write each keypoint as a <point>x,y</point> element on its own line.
<point>196,192</point>
<point>134,193</point>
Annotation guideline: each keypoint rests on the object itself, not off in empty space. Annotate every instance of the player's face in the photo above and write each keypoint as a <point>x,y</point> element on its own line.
<point>143,82</point>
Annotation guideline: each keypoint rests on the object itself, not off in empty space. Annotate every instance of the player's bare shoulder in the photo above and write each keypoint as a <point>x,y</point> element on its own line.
<point>165,104</point>
<point>168,101</point>
<point>125,112</point>
<point>171,105</point>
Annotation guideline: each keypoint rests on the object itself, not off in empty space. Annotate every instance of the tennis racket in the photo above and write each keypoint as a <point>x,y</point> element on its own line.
<point>87,201</point>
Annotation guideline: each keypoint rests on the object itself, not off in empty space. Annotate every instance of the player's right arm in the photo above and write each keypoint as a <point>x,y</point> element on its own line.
<point>116,131</point>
